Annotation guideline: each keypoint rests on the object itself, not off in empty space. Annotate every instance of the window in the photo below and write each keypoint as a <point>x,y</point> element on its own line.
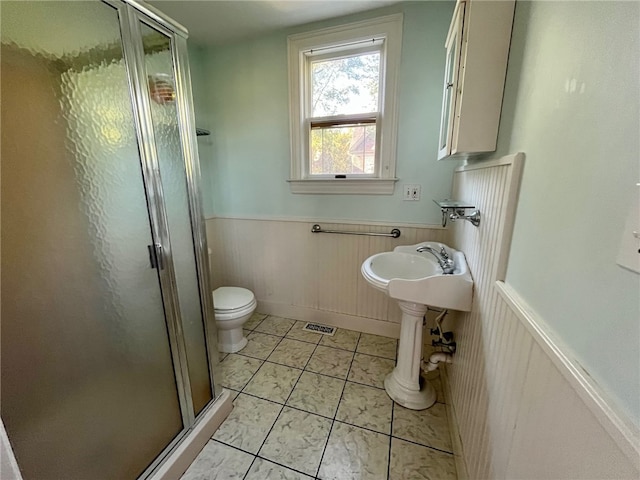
<point>342,89</point>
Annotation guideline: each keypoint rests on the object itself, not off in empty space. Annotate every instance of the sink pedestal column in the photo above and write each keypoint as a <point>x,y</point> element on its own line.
<point>404,384</point>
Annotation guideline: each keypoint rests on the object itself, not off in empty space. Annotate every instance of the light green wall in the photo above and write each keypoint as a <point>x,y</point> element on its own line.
<point>245,98</point>
<point>572,105</point>
<point>203,120</point>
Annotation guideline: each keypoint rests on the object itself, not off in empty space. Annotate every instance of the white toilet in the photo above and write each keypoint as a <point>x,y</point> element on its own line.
<point>233,307</point>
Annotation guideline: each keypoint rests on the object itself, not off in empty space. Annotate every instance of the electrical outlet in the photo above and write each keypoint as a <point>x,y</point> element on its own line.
<point>411,192</point>
<point>415,193</point>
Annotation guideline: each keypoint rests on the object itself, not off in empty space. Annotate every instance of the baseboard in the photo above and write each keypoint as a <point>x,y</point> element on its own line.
<point>456,441</point>
<point>185,453</point>
<point>623,432</point>
<point>340,320</point>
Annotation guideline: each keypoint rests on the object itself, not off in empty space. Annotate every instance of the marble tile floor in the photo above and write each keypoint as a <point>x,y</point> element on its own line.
<point>311,406</point>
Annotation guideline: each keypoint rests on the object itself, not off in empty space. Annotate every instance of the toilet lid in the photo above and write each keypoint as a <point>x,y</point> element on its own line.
<point>230,298</point>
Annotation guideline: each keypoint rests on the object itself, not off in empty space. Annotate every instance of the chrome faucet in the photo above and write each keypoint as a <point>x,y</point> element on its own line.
<point>446,263</point>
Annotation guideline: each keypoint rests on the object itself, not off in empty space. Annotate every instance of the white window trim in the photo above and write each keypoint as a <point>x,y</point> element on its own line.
<point>388,27</point>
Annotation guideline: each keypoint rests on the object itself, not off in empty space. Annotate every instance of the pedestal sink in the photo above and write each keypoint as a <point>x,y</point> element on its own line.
<point>416,281</point>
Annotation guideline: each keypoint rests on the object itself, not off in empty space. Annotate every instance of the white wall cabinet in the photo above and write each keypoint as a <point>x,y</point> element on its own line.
<point>477,53</point>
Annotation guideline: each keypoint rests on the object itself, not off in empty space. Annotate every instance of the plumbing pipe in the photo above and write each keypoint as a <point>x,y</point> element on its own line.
<point>434,359</point>
<point>438,322</point>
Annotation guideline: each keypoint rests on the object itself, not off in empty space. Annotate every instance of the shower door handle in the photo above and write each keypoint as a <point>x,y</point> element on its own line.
<point>155,256</point>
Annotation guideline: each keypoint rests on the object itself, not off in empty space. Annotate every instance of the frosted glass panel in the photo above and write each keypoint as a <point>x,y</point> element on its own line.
<point>160,76</point>
<point>449,94</point>
<point>88,386</point>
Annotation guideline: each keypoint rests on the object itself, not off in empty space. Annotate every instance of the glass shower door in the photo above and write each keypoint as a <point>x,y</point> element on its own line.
<point>88,384</point>
<point>159,72</point>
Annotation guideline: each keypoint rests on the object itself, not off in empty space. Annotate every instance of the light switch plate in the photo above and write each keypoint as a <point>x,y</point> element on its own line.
<point>411,192</point>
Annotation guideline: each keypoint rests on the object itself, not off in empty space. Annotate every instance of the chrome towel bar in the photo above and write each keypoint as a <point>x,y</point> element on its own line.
<point>395,233</point>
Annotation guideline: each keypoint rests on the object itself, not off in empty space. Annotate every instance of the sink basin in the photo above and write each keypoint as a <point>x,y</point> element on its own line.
<point>416,280</point>
<point>411,276</point>
<point>381,268</point>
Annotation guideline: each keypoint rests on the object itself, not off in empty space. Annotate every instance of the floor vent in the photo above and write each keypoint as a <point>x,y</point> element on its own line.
<point>317,328</point>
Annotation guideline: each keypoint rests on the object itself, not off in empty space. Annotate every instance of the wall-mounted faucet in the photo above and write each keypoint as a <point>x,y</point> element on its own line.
<point>453,211</point>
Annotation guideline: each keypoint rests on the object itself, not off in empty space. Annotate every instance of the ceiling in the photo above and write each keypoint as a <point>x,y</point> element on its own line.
<point>213,22</point>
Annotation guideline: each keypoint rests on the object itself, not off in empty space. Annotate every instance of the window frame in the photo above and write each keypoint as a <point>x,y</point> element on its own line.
<point>340,120</point>
<point>343,40</point>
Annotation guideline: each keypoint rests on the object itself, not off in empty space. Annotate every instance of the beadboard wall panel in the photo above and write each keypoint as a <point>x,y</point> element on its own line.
<point>489,187</point>
<point>523,409</point>
<point>294,272</point>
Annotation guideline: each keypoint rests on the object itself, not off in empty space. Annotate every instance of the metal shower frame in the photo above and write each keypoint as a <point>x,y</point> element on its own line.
<point>132,14</point>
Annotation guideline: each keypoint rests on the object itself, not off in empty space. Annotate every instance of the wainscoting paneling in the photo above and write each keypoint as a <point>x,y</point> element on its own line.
<point>523,406</point>
<point>310,276</point>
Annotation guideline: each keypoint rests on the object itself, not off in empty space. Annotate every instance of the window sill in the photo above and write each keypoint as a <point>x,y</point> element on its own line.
<point>346,186</point>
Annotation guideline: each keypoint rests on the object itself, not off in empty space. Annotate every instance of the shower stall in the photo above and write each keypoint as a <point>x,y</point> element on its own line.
<point>108,348</point>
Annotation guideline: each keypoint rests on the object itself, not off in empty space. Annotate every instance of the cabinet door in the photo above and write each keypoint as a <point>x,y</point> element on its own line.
<point>450,87</point>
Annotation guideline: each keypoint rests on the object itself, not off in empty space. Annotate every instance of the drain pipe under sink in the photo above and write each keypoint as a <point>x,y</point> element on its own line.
<point>435,359</point>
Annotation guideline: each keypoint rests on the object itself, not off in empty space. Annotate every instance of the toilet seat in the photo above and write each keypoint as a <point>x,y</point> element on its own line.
<point>232,302</point>
<point>222,315</point>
